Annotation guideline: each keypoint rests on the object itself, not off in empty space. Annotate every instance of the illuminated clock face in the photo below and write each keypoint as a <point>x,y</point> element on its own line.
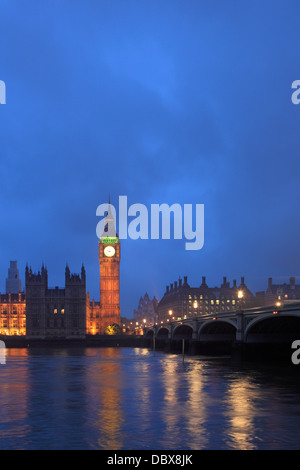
<point>109,251</point>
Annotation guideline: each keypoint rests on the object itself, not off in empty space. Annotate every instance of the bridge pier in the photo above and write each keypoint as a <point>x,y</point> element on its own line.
<point>238,351</point>
<point>240,328</point>
<point>168,345</point>
<point>193,347</point>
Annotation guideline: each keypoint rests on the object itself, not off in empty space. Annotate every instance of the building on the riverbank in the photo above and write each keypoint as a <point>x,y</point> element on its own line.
<point>183,301</point>
<point>55,313</point>
<point>280,293</point>
<point>146,313</point>
<point>12,314</point>
<point>93,316</point>
<point>107,312</point>
<point>13,305</point>
<point>109,264</point>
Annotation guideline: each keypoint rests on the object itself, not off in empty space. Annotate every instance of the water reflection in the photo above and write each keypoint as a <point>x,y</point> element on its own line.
<point>241,404</point>
<point>171,403</point>
<point>14,398</point>
<point>104,379</point>
<point>130,399</point>
<point>197,411</point>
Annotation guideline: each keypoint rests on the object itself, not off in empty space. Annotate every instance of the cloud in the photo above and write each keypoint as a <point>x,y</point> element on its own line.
<point>169,102</point>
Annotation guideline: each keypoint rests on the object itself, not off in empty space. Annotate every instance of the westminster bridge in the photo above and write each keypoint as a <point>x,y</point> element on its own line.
<point>257,330</point>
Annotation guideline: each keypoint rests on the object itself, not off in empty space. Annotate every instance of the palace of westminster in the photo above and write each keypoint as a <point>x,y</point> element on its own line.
<point>41,312</point>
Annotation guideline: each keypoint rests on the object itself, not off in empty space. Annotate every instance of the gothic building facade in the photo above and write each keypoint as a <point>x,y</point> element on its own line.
<point>13,305</point>
<point>55,312</point>
<point>13,314</point>
<point>146,311</point>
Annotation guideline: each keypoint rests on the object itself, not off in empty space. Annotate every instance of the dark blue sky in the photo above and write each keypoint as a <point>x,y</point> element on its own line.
<point>163,101</point>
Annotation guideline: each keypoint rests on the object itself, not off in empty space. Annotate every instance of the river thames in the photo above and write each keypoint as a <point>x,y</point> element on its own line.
<point>129,398</point>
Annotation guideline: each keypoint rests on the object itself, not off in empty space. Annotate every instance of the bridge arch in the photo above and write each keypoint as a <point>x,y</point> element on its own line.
<point>273,328</point>
<point>217,330</point>
<point>149,333</point>
<point>163,332</point>
<point>183,331</point>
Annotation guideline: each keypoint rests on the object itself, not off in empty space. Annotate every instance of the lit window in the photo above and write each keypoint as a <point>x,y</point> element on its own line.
<point>55,310</point>
<point>62,311</point>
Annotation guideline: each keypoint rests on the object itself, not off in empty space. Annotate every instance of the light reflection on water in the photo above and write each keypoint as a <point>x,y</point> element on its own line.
<point>105,398</point>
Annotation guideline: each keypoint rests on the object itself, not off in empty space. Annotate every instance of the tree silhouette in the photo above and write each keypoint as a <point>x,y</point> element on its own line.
<point>113,329</point>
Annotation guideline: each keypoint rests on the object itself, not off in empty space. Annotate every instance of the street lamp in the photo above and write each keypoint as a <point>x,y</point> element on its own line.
<point>240,296</point>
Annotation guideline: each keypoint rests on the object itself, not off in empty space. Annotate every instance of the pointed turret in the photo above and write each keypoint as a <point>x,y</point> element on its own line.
<point>82,272</point>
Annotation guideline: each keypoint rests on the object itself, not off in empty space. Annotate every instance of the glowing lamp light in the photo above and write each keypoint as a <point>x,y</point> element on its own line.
<point>240,294</point>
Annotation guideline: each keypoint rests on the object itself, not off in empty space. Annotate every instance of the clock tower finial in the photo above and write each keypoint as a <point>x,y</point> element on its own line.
<point>109,227</point>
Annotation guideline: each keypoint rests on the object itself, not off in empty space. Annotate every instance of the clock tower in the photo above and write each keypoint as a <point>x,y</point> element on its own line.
<point>109,261</point>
